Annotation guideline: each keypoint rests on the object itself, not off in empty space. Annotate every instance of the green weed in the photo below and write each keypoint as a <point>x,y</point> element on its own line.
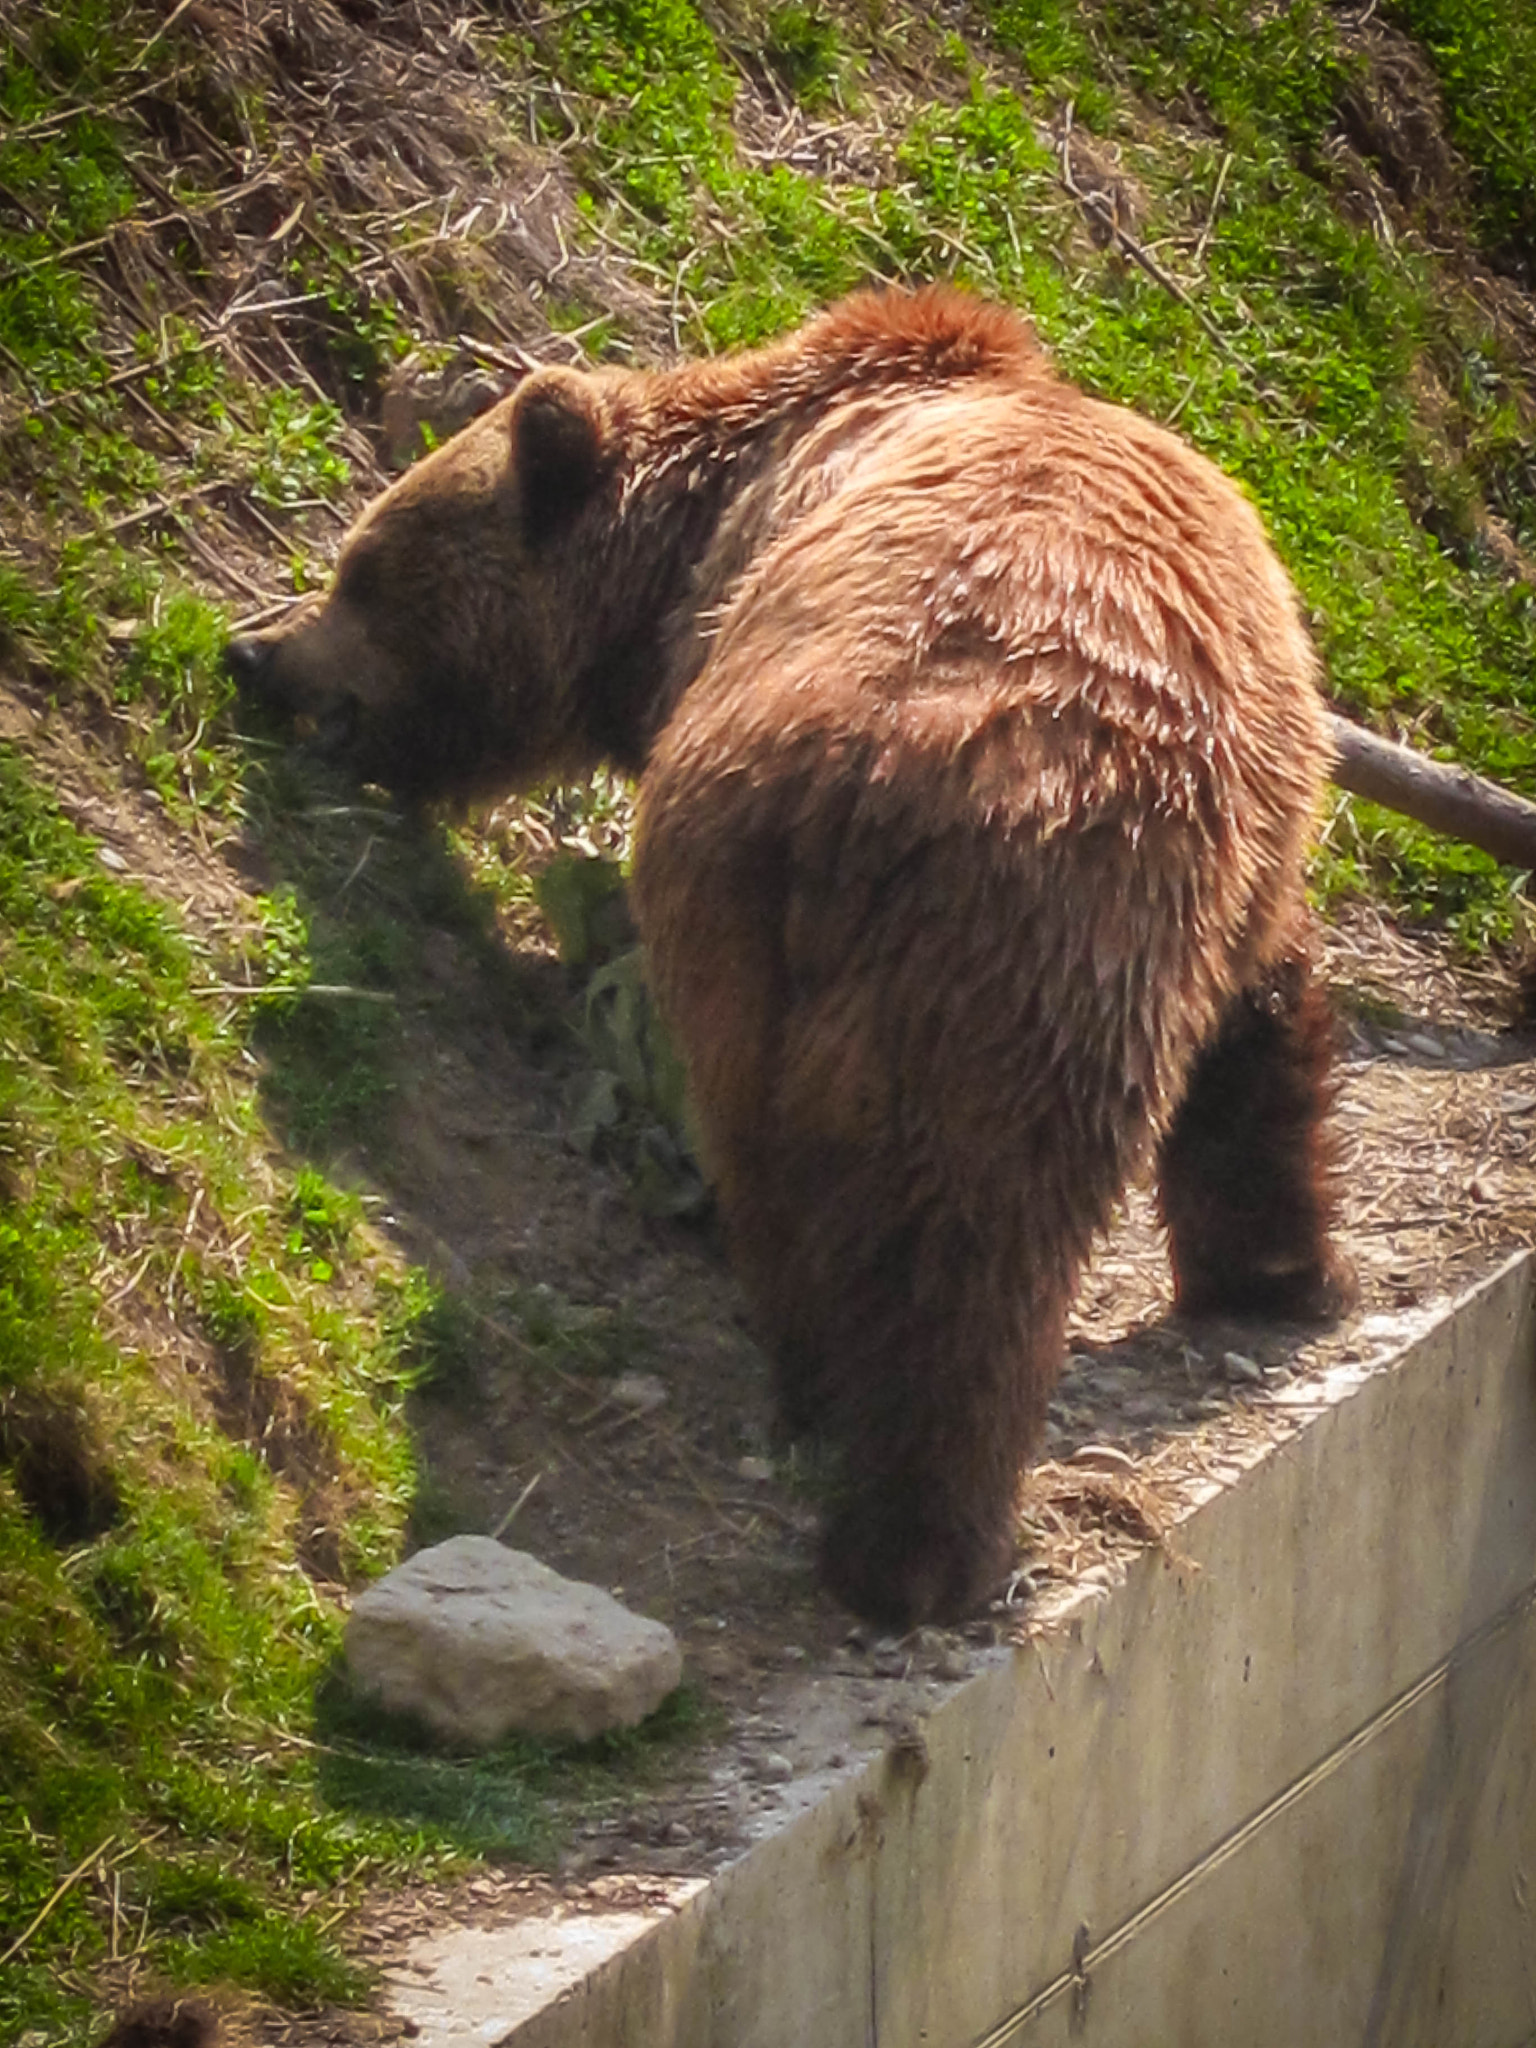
<point>1484,52</point>
<point>442,1341</point>
<point>1054,41</point>
<point>803,46</point>
<point>1274,76</point>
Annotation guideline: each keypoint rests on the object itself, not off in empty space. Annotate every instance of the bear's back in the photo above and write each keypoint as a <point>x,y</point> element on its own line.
<point>934,555</point>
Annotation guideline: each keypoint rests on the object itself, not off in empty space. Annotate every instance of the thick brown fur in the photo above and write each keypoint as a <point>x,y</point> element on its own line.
<point>979,749</point>
<point>1260,1091</point>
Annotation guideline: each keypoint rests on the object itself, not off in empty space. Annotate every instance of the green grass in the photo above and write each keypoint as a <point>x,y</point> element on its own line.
<point>203,1366</point>
<point>804,49</point>
<point>185,1395</point>
<point>1273,77</point>
<point>518,1800</point>
<point>1485,58</point>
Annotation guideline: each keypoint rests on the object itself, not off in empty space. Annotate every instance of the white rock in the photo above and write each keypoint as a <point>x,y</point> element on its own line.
<point>638,1390</point>
<point>477,1640</point>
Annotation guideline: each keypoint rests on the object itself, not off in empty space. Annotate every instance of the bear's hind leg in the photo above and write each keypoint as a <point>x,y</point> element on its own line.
<point>923,1527</point>
<point>909,1184</point>
<point>912,1225</point>
<point>920,1343</point>
<point>1248,1168</point>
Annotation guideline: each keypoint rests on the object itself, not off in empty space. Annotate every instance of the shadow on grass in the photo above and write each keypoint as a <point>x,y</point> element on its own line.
<point>370,923</point>
<point>514,1802</point>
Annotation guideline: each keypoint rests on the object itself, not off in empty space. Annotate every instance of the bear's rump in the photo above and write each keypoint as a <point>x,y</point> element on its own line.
<point>862,951</point>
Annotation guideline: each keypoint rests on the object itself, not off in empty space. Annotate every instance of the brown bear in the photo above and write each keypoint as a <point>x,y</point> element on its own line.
<point>978,748</point>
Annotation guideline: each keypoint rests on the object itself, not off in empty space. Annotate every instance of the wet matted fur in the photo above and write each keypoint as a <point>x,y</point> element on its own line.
<point>979,747</point>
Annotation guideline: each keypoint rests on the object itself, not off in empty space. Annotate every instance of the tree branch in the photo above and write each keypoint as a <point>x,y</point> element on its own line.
<point>1446,799</point>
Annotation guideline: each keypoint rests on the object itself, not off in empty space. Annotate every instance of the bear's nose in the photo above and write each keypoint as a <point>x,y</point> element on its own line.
<point>246,661</point>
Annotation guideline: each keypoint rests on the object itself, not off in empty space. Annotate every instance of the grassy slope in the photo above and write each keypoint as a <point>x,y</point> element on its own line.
<point>203,1351</point>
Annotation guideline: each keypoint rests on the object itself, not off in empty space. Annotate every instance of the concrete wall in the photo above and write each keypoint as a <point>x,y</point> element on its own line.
<point>1276,1794</point>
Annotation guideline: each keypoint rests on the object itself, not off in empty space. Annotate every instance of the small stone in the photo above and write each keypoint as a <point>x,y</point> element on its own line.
<point>756,1471</point>
<point>112,859</point>
<point>478,1641</point>
<point>678,1833</point>
<point>1238,1367</point>
<point>1427,1047</point>
<point>641,1391</point>
<point>1112,1382</point>
<point>775,1768</point>
<point>1146,1408</point>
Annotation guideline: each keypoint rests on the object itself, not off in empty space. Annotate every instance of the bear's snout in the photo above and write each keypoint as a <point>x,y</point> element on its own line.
<point>263,668</point>
<point>248,661</point>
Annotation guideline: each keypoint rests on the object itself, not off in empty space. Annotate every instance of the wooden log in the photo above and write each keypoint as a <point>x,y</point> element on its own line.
<point>1434,793</point>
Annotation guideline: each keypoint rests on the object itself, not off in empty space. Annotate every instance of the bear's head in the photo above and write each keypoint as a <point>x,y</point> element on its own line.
<point>446,659</point>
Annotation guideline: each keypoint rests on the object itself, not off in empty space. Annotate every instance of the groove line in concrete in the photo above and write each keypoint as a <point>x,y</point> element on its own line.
<point>1509,1616</point>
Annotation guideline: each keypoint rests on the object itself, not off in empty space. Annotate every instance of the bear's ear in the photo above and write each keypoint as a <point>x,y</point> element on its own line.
<point>559,450</point>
